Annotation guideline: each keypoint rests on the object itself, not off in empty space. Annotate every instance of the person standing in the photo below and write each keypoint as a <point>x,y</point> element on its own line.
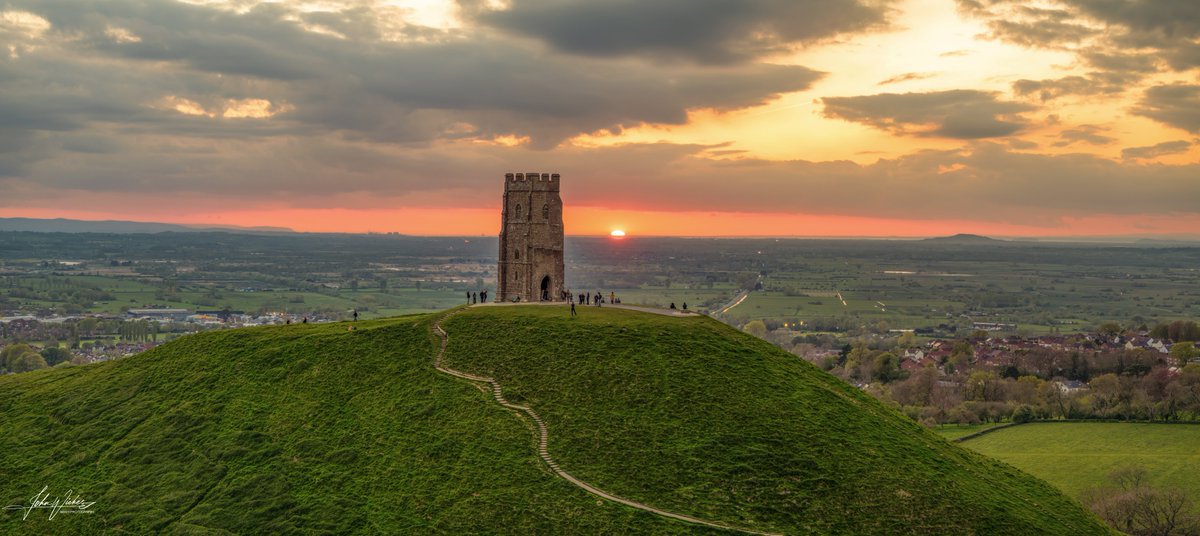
<point>573,313</point>
<point>468,297</point>
<point>356,315</point>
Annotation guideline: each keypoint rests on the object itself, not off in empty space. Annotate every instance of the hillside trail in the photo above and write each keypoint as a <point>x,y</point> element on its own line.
<point>544,433</point>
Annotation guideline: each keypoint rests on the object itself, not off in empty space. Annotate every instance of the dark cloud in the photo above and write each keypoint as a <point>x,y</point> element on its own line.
<point>441,86</point>
<point>705,31</point>
<point>1046,33</point>
<point>1177,105</point>
<point>1119,62</point>
<point>1156,150</point>
<point>961,113</point>
<point>1166,29</point>
<point>1090,134</point>
<point>1147,21</point>
<point>1015,22</point>
<point>1094,83</point>
<point>1185,56</point>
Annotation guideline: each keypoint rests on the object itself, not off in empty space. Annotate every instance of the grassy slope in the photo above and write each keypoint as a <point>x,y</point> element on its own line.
<point>1077,456</point>
<point>689,415</point>
<point>314,429</point>
<point>305,428</point>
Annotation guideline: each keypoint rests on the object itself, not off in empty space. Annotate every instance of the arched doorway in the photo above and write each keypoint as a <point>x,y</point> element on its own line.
<point>546,288</point>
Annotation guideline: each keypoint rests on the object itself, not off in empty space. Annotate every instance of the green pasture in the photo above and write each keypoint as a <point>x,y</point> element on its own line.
<point>1077,456</point>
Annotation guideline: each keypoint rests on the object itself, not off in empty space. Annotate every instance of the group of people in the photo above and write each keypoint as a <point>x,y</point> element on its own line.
<point>588,298</point>
<point>583,298</point>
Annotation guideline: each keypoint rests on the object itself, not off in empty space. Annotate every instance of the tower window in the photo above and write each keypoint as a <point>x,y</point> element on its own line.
<point>517,254</point>
<point>546,212</point>
<point>518,211</point>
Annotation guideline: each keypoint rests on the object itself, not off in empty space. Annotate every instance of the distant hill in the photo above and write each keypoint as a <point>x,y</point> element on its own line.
<point>60,225</point>
<point>964,238</point>
<point>316,429</point>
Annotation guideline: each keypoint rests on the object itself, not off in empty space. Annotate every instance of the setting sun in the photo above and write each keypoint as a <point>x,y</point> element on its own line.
<point>617,233</point>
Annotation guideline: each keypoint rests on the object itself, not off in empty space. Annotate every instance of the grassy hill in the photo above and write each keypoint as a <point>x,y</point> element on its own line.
<point>316,429</point>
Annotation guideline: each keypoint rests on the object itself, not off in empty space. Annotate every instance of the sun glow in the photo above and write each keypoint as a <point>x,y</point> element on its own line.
<point>617,233</point>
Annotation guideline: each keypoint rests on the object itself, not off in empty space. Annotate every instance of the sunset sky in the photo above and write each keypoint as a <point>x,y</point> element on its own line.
<point>664,117</point>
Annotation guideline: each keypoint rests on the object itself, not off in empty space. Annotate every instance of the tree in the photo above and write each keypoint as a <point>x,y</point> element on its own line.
<point>1023,414</point>
<point>28,361</point>
<point>887,367</point>
<point>1109,329</point>
<point>756,328</point>
<point>963,349</point>
<point>1106,393</point>
<point>982,385</point>
<point>9,355</point>
<point>1053,400</point>
<point>1183,330</point>
<point>55,355</point>
<point>1183,352</point>
<point>907,339</point>
<point>1129,504</point>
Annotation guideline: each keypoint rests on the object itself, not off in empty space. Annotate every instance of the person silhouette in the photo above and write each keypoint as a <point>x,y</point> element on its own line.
<point>356,315</point>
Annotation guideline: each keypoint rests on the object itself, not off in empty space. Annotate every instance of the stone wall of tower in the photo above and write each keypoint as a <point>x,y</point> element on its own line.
<point>531,239</point>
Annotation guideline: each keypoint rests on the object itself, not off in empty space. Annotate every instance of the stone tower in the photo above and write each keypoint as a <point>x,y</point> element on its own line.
<point>531,239</point>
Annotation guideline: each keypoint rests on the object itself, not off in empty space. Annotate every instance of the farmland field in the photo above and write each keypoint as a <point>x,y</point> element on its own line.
<point>1077,456</point>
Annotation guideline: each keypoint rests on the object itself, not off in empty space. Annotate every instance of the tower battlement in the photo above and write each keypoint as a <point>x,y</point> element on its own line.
<point>531,181</point>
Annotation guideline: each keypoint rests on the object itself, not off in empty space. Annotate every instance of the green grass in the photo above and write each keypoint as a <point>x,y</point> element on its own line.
<point>1077,456</point>
<point>303,428</point>
<point>317,429</point>
<point>690,415</point>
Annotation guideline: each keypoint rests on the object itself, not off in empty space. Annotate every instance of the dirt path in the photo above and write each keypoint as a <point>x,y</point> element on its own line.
<point>544,433</point>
